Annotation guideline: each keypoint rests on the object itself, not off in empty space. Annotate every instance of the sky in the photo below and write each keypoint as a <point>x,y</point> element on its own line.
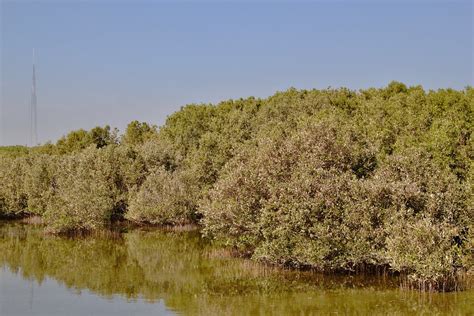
<point>110,62</point>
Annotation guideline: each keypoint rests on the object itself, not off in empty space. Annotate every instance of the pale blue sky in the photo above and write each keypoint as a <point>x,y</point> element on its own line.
<point>110,62</point>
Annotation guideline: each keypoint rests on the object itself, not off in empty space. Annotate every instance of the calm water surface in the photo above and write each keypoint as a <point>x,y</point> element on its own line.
<point>153,272</point>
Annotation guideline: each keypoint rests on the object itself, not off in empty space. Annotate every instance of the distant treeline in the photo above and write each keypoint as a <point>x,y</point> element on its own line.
<point>336,180</point>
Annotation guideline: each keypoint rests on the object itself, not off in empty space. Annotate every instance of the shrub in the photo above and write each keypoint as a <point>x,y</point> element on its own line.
<point>13,198</point>
<point>428,219</point>
<point>164,198</point>
<point>137,133</point>
<point>81,139</point>
<point>274,182</point>
<point>158,152</point>
<point>40,182</point>
<point>317,198</point>
<point>92,188</point>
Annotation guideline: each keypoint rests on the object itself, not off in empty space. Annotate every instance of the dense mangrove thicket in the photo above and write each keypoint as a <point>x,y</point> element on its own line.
<point>336,180</point>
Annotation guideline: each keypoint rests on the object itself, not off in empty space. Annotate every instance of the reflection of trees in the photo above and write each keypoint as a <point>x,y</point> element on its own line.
<point>184,271</point>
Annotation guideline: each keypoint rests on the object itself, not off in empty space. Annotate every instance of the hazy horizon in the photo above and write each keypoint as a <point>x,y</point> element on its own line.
<point>110,63</point>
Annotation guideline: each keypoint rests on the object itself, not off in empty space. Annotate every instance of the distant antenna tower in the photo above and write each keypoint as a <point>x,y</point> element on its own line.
<point>33,119</point>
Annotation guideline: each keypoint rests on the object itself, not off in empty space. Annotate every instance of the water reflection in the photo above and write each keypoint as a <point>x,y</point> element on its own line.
<point>27,297</point>
<point>178,271</point>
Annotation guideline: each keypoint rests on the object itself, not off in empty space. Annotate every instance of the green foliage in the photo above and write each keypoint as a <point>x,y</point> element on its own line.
<point>427,218</point>
<point>333,179</point>
<point>81,139</point>
<point>159,152</point>
<point>92,187</point>
<point>13,151</point>
<point>137,133</point>
<point>13,199</point>
<point>40,181</point>
<point>274,196</point>
<point>185,127</point>
<point>303,202</point>
<point>164,198</point>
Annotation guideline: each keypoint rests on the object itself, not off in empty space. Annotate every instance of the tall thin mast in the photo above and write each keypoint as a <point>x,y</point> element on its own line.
<point>33,118</point>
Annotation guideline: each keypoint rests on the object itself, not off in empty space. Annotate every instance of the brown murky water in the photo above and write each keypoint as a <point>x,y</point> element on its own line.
<point>153,272</point>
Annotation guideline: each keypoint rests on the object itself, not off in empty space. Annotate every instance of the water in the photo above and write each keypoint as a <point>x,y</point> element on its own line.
<point>154,272</point>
